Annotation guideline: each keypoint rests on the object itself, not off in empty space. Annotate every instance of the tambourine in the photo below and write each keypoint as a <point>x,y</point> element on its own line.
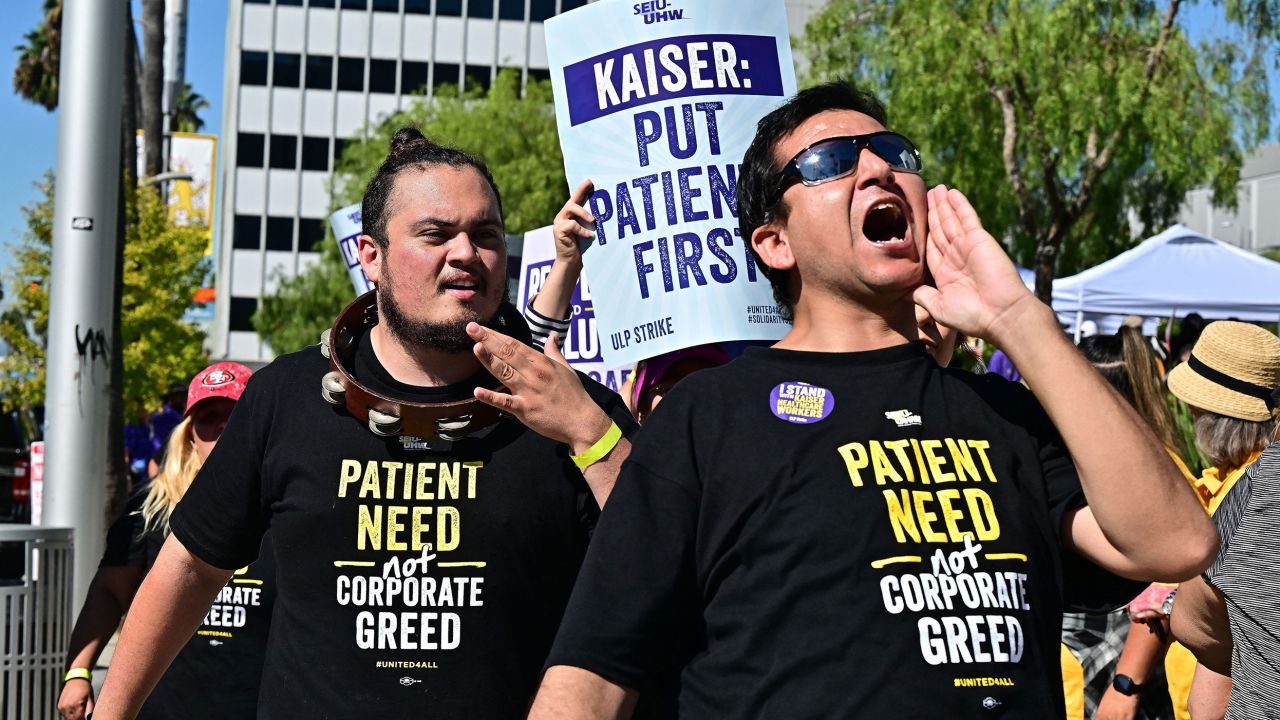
<point>387,416</point>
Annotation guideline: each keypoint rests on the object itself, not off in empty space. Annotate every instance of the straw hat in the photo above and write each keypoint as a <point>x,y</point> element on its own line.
<point>1234,370</point>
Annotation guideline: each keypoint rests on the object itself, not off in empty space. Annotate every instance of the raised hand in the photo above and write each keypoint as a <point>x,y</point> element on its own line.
<point>574,224</point>
<point>978,290</point>
<point>545,393</point>
<point>1149,604</point>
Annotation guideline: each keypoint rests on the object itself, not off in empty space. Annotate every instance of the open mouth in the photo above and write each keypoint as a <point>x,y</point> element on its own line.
<point>462,286</point>
<point>885,222</point>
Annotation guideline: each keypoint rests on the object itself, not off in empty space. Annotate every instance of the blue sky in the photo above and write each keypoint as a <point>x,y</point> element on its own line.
<point>31,133</point>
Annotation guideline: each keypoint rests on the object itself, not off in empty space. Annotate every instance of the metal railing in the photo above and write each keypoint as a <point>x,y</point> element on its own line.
<point>36,609</point>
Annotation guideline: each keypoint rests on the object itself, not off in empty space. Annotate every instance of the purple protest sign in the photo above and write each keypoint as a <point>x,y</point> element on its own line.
<point>656,102</point>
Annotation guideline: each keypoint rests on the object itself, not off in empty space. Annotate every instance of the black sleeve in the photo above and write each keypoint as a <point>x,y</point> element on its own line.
<point>637,591</point>
<point>1061,481</point>
<point>126,545</point>
<point>1087,587</point>
<point>611,402</point>
<point>224,514</point>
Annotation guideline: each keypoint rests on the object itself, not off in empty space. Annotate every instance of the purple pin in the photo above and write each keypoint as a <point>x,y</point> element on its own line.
<point>801,403</point>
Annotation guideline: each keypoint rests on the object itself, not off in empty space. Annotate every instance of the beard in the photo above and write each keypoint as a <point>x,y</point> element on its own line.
<point>449,336</point>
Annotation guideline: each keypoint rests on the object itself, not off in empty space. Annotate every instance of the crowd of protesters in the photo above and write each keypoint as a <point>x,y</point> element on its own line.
<point>439,517</point>
<point>146,439</point>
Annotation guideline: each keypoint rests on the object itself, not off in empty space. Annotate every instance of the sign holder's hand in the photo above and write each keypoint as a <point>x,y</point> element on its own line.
<point>572,230</point>
<point>978,291</point>
<point>574,226</point>
<point>545,393</point>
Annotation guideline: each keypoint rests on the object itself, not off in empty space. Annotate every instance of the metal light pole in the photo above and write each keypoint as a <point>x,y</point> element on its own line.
<point>82,283</point>
<point>175,65</point>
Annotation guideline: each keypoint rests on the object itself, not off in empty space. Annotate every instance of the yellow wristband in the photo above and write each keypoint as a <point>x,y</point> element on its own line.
<point>78,674</point>
<point>603,446</point>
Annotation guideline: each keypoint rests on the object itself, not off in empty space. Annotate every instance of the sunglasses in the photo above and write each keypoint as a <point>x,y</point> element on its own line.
<point>836,157</point>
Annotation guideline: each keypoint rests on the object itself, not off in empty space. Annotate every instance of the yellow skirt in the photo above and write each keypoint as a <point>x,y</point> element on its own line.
<point>1072,684</point>
<point>1179,669</point>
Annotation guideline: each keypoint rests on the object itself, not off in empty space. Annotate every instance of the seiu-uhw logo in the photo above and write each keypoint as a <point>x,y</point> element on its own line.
<point>656,11</point>
<point>904,418</point>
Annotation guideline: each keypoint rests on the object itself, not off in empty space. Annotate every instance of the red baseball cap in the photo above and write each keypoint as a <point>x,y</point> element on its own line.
<point>224,379</point>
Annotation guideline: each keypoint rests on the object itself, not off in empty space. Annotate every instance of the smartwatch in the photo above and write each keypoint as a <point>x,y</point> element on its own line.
<point>1125,685</point>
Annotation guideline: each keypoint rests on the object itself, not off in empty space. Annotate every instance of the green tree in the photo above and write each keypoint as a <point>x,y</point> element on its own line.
<point>1061,118</point>
<point>187,106</point>
<point>514,132</point>
<point>164,266</point>
<point>25,327</point>
<point>306,304</point>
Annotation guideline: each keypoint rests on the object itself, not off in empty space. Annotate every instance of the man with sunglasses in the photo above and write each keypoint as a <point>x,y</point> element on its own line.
<point>837,527</point>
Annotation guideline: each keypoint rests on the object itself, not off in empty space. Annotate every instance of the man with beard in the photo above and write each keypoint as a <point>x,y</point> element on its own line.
<point>417,575</point>
<point>837,527</point>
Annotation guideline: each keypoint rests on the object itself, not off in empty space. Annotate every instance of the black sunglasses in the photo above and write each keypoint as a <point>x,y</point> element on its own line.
<point>836,157</point>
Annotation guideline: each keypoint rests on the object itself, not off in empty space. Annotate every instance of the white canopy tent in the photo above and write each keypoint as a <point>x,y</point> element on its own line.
<point>1176,272</point>
<point>1028,277</point>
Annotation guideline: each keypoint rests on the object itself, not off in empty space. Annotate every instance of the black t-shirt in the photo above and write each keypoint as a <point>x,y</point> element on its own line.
<point>128,543</point>
<point>412,581</point>
<point>821,535</point>
<point>217,673</point>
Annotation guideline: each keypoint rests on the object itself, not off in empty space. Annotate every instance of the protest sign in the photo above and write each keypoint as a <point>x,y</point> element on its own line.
<point>346,228</point>
<point>582,342</point>
<point>658,111</point>
<point>193,161</point>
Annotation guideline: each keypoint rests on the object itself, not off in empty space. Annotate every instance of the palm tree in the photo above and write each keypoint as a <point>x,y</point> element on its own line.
<point>186,108</point>
<point>152,86</point>
<point>36,76</point>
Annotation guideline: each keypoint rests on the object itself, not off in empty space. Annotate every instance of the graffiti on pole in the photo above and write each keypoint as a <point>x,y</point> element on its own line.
<point>92,345</point>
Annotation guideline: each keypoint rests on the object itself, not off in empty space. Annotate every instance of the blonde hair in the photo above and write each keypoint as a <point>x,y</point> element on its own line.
<point>1127,362</point>
<point>1146,389</point>
<point>181,463</point>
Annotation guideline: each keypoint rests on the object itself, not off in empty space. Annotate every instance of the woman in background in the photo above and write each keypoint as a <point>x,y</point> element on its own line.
<point>1232,430</point>
<point>217,674</point>
<point>1231,380</point>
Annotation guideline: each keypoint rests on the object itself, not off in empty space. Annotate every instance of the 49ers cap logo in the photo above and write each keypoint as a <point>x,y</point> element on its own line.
<point>224,380</point>
<point>218,377</point>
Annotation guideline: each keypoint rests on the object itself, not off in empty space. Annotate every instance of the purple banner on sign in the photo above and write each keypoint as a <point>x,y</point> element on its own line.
<point>671,68</point>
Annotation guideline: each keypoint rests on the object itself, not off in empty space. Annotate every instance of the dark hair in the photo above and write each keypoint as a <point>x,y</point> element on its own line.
<point>1127,362</point>
<point>759,199</point>
<point>1188,333</point>
<point>411,149</point>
